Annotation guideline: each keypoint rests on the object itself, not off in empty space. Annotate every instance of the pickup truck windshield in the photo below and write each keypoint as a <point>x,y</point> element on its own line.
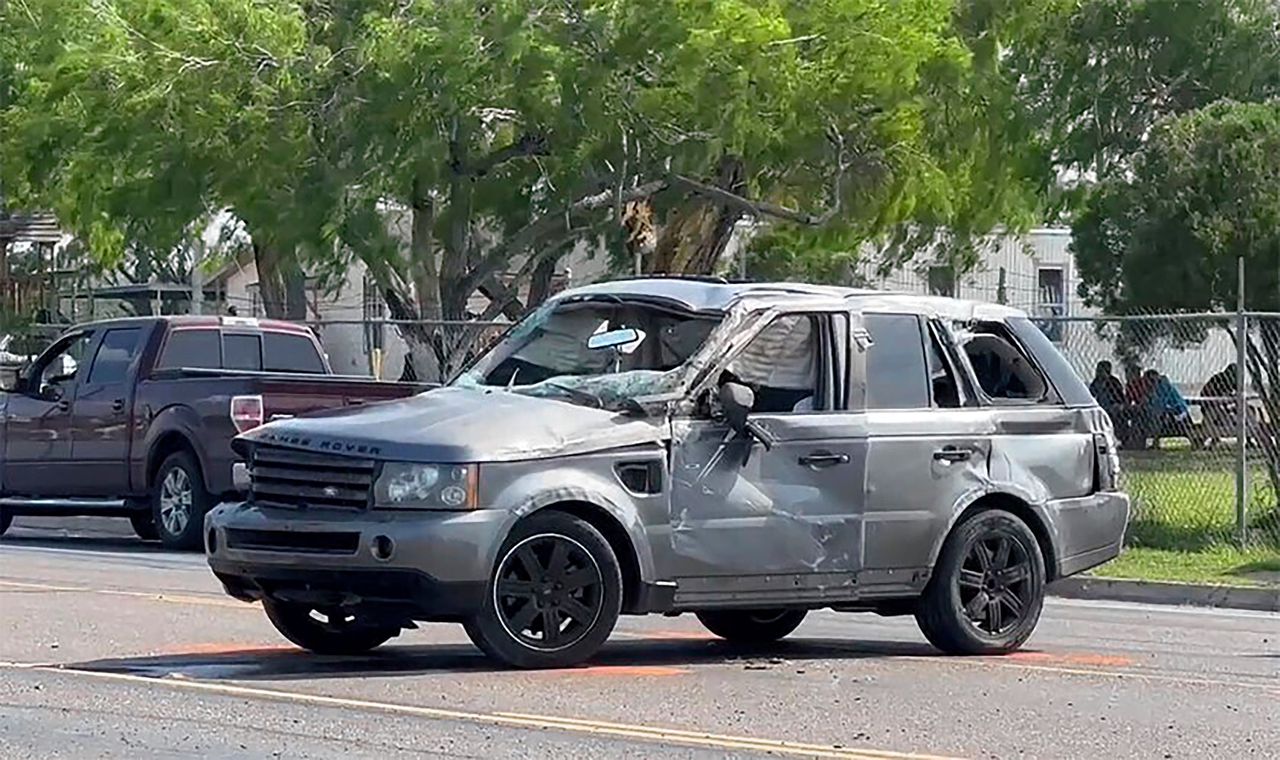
<point>596,352</point>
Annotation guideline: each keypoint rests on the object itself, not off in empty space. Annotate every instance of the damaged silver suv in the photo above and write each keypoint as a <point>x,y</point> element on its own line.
<point>746,453</point>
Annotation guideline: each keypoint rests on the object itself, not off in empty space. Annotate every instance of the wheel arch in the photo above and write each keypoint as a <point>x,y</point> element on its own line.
<point>1018,507</point>
<point>165,445</point>
<point>616,534</point>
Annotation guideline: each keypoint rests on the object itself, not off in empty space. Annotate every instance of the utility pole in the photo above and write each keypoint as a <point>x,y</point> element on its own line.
<point>197,275</point>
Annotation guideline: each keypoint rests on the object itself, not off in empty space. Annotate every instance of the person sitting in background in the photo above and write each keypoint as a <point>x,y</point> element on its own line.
<point>1219,403</point>
<point>1137,423</point>
<point>1108,392</point>
<point>1168,410</point>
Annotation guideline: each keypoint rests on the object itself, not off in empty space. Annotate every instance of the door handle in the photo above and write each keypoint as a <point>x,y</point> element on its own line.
<point>820,459</point>
<point>952,454</point>
<point>117,406</point>
<point>64,405</point>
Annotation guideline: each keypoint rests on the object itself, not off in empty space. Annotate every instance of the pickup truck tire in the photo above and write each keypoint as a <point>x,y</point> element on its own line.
<point>987,588</point>
<point>179,501</point>
<point>751,626</point>
<point>327,631</point>
<point>144,524</point>
<point>554,597</point>
<point>6,519</point>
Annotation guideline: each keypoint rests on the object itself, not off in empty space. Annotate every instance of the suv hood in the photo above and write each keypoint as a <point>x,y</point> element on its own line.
<point>456,425</point>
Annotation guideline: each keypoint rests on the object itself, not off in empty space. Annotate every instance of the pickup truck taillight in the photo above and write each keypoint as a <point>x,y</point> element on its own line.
<point>246,412</point>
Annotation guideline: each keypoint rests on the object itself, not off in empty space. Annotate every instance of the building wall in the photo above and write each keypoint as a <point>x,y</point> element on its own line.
<point>1029,263</point>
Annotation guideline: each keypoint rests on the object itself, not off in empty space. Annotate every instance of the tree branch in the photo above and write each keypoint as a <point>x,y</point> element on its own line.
<point>527,145</point>
<point>531,232</point>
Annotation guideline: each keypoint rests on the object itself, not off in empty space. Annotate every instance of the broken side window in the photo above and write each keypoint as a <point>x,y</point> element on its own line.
<point>1003,371</point>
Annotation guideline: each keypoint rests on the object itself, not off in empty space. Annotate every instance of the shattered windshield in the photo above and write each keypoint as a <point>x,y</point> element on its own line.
<point>599,352</point>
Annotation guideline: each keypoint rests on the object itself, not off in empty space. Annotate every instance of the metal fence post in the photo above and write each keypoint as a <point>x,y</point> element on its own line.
<point>1242,412</point>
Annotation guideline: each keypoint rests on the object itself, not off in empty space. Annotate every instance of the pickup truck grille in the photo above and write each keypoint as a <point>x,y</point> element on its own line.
<point>281,477</point>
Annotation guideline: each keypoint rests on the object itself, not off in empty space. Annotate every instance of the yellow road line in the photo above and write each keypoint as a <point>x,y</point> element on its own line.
<point>517,720</point>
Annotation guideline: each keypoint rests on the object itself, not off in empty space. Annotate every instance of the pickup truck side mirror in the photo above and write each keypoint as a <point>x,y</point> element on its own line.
<point>736,401</point>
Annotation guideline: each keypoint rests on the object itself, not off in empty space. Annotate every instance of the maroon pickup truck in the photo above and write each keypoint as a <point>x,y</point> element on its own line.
<point>134,417</point>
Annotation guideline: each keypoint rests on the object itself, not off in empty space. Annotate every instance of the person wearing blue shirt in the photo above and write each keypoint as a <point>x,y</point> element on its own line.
<point>1166,407</point>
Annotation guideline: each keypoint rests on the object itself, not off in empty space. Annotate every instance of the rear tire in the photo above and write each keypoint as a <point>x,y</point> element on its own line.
<point>554,596</point>
<point>144,524</point>
<point>987,589</point>
<point>340,632</point>
<point>6,519</point>
<point>179,502</point>
<point>752,626</point>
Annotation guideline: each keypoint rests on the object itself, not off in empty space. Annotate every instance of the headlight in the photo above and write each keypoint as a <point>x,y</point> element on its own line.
<point>427,486</point>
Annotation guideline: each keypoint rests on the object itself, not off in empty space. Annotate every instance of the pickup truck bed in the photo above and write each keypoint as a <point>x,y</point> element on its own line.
<point>135,417</point>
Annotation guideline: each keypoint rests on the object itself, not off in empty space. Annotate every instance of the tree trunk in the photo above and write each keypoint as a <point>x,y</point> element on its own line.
<point>422,251</point>
<point>699,229</point>
<point>271,286</point>
<point>541,280</point>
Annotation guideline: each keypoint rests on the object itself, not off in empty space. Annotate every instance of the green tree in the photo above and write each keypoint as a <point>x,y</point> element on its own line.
<point>1204,192</point>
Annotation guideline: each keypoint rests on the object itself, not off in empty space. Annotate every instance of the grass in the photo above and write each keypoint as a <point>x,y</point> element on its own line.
<point>1183,526</point>
<point>1220,565</point>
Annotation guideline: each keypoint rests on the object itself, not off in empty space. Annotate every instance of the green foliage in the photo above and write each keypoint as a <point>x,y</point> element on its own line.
<point>1205,190</point>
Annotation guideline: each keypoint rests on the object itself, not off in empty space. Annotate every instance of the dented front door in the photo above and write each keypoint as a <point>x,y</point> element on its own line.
<point>746,520</point>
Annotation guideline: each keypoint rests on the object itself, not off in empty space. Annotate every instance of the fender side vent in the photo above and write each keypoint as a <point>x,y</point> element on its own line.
<point>641,477</point>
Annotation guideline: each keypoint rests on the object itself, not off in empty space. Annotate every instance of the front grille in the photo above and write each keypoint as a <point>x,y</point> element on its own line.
<point>293,541</point>
<point>280,477</point>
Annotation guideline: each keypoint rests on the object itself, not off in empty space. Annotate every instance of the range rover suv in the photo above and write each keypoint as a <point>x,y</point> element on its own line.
<point>745,453</point>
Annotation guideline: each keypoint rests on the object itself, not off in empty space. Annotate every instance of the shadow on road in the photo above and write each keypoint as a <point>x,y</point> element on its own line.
<point>289,664</point>
<point>112,544</point>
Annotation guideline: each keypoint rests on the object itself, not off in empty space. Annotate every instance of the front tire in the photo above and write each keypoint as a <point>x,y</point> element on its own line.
<point>144,524</point>
<point>752,626</point>
<point>327,631</point>
<point>179,501</point>
<point>554,596</point>
<point>987,589</point>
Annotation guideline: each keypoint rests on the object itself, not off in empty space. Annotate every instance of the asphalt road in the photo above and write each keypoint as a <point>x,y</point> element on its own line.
<point>112,648</point>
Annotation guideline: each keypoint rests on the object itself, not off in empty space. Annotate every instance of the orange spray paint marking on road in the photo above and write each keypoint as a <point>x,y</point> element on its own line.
<point>1071,658</point>
<point>628,671</point>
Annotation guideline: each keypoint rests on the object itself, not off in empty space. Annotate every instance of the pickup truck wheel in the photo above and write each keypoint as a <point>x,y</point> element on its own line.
<point>179,501</point>
<point>6,519</point>
<point>987,590</point>
<point>554,597</point>
<point>144,524</point>
<point>327,631</point>
<point>751,626</point>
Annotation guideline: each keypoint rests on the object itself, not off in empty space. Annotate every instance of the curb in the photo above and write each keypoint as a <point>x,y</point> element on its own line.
<point>1160,592</point>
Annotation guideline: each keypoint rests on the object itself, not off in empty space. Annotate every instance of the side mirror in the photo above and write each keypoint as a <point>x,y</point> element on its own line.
<point>736,401</point>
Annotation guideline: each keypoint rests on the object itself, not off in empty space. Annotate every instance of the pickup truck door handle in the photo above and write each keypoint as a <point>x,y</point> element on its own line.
<point>64,405</point>
<point>952,454</point>
<point>820,459</point>
<point>117,406</point>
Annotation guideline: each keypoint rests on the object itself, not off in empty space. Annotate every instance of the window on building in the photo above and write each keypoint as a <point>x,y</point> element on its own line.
<point>942,281</point>
<point>1051,302</point>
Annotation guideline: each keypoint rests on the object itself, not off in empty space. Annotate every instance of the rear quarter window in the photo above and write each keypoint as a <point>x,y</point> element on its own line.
<point>1071,389</point>
<point>287,352</point>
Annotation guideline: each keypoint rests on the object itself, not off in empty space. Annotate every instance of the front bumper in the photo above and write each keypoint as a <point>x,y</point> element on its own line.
<point>429,565</point>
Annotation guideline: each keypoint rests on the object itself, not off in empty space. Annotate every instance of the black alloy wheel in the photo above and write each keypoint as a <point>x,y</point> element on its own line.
<point>987,588</point>
<point>995,583</point>
<point>554,597</point>
<point>549,592</point>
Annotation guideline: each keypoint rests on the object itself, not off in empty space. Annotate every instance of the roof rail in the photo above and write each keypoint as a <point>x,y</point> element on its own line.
<point>710,278</point>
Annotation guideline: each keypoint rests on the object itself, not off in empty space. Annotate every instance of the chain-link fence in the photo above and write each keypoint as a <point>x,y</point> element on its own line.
<point>1173,385</point>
